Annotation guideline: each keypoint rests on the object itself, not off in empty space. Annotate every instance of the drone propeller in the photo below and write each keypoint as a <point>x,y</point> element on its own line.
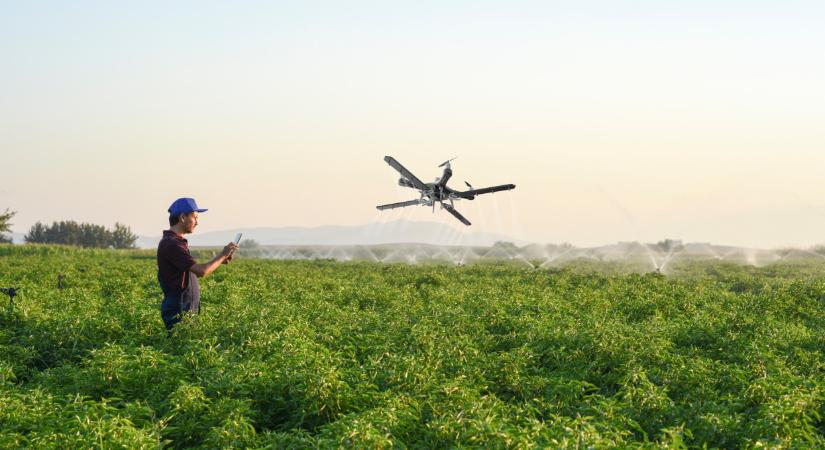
<point>447,162</point>
<point>469,185</point>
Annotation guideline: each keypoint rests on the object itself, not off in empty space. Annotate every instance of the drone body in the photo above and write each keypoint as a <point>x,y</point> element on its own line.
<point>438,191</point>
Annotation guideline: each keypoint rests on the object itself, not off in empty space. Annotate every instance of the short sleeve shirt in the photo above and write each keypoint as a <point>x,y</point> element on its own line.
<point>174,261</point>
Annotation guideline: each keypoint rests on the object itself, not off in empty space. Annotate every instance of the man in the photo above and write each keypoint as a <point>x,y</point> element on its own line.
<point>178,271</point>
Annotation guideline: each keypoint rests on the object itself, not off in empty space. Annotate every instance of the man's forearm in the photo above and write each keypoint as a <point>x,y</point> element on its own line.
<point>202,270</point>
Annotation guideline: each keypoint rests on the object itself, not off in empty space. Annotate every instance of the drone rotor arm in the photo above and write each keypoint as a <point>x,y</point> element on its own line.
<point>457,215</point>
<point>418,184</point>
<point>473,192</point>
<point>398,205</point>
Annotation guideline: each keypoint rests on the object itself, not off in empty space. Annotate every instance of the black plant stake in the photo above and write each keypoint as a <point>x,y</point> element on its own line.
<point>11,292</point>
<point>60,281</point>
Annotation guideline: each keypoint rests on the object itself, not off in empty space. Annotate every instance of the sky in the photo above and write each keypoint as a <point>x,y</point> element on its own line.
<point>617,121</point>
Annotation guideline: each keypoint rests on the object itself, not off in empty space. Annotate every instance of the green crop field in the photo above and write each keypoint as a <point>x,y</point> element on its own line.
<point>306,354</point>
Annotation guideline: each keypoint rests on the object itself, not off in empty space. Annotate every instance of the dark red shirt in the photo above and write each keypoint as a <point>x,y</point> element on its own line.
<point>174,261</point>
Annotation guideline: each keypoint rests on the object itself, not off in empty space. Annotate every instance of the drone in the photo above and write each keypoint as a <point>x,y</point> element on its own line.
<point>438,191</point>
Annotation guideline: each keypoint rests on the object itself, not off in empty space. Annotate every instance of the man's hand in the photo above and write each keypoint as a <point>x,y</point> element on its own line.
<point>229,251</point>
<point>202,270</point>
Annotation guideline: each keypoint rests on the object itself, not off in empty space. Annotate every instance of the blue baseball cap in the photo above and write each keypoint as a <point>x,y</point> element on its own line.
<point>184,205</point>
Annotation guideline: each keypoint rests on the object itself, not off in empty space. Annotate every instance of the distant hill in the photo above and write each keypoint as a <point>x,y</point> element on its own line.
<point>401,231</point>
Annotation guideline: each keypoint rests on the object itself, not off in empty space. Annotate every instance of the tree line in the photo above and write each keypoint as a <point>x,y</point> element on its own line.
<point>82,235</point>
<point>69,232</point>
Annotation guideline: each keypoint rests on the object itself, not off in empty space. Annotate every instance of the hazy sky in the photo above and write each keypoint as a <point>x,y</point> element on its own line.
<point>700,120</point>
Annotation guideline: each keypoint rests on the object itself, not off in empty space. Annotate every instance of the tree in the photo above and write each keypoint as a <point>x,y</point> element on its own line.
<point>5,225</point>
<point>94,236</point>
<point>37,233</point>
<point>122,236</point>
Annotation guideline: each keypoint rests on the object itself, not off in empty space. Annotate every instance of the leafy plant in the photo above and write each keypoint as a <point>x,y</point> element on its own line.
<point>322,354</point>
